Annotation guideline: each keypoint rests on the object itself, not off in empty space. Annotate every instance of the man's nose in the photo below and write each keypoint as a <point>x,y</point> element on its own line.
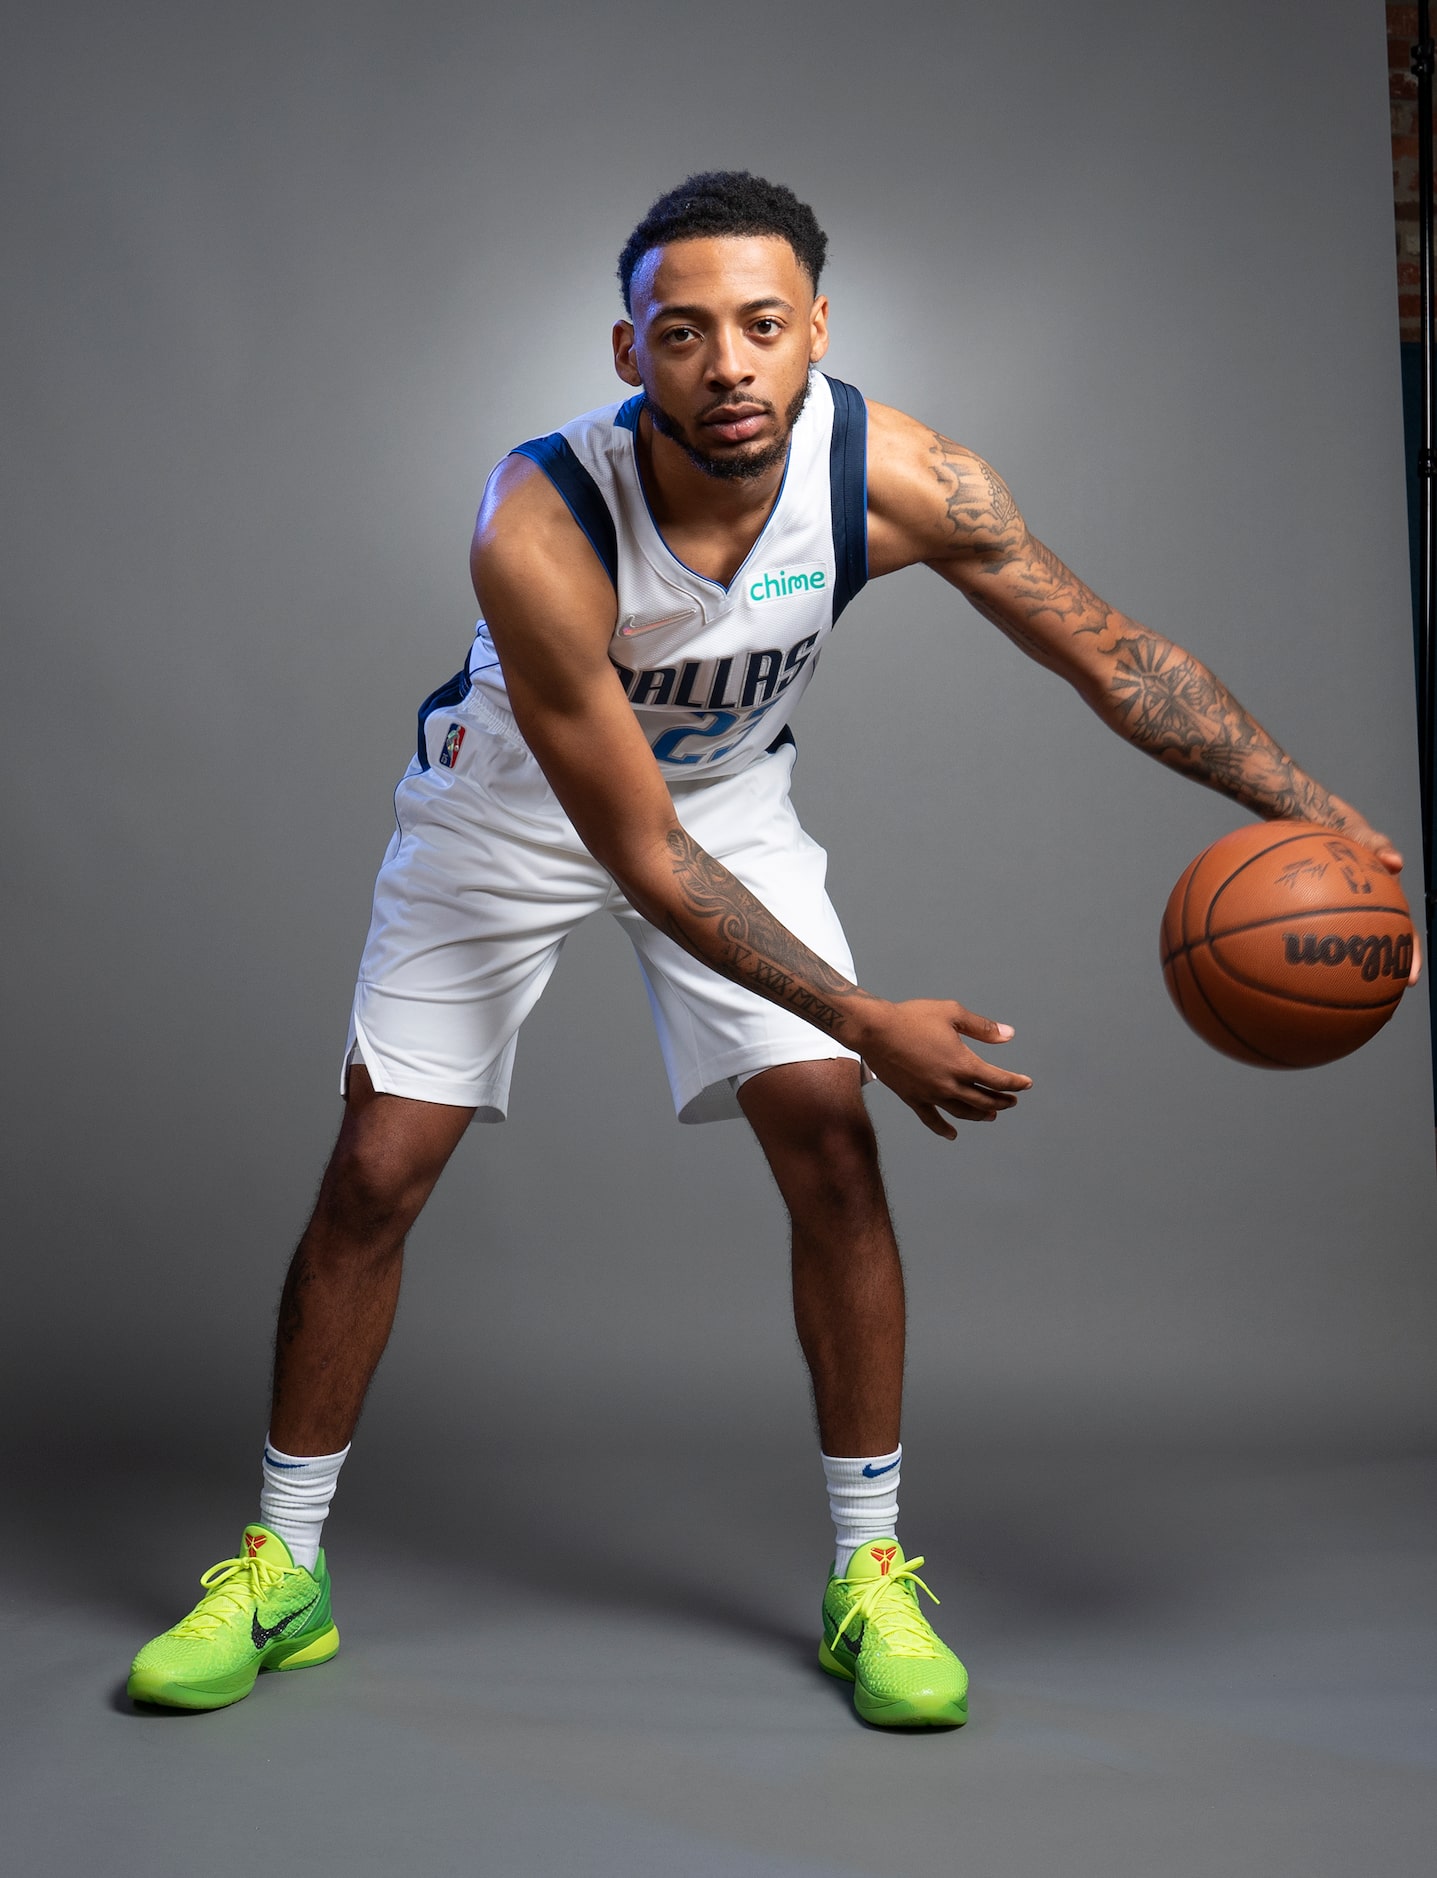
<point>727,365</point>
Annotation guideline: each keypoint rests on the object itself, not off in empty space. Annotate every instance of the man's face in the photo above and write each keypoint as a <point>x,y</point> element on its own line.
<point>724,330</point>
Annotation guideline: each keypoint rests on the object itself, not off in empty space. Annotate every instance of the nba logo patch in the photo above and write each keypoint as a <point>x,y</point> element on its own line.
<point>454,737</point>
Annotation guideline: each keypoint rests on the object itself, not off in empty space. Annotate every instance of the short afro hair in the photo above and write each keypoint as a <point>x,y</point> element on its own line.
<point>726,202</point>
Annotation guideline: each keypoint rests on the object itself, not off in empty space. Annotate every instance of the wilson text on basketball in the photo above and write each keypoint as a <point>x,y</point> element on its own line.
<point>1379,956</point>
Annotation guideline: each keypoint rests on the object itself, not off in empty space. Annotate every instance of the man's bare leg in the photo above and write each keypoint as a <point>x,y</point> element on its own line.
<point>265,1609</point>
<point>338,1302</point>
<point>848,1305</point>
<point>848,1301</point>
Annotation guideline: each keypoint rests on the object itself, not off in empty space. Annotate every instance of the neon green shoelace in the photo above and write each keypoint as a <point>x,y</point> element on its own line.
<point>891,1606</point>
<point>234,1585</point>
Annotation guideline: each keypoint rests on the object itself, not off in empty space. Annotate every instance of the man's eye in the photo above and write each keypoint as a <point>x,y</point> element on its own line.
<point>679,333</point>
<point>766,327</point>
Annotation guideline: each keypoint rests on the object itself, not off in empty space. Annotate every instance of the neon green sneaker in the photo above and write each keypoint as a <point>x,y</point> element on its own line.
<point>874,1636</point>
<point>259,1611</point>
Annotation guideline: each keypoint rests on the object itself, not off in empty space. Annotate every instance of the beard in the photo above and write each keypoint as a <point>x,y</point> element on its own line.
<point>735,468</point>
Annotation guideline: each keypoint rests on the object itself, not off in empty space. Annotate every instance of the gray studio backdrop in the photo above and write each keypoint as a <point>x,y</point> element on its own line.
<point>285,281</point>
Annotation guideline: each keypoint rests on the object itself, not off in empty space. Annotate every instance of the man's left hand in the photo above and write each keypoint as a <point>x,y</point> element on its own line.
<point>1363,835</point>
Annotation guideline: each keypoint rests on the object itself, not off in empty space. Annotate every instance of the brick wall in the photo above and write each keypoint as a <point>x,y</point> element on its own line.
<point>1401,36</point>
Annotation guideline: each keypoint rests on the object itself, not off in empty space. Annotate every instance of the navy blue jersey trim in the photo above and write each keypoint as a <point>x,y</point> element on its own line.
<point>848,492</point>
<point>453,691</point>
<point>785,736</point>
<point>579,490</point>
<point>627,415</point>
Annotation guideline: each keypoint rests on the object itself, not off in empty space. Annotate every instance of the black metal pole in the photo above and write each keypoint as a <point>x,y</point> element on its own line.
<point>1424,60</point>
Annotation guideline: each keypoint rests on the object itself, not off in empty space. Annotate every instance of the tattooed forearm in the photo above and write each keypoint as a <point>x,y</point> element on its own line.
<point>748,944</point>
<point>1040,586</point>
<point>1166,702</point>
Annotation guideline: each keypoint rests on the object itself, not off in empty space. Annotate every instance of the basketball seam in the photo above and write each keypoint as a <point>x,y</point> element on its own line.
<point>1291,997</point>
<point>1187,895</point>
<point>1305,912</point>
<point>1236,932</point>
<point>1172,982</point>
<point>1298,834</point>
<point>1172,985</point>
<point>1253,859</point>
<point>1236,1035</point>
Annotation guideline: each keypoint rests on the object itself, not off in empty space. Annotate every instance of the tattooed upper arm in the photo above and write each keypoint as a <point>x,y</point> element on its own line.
<point>930,498</point>
<point>979,515</point>
<point>933,500</point>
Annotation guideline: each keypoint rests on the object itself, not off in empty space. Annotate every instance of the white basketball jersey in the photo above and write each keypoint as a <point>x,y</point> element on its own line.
<point>713,671</point>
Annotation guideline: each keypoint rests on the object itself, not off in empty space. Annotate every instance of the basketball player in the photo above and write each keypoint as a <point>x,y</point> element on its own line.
<point>658,581</point>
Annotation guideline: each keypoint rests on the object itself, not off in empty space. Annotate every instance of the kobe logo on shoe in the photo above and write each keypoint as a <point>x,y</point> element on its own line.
<point>263,1637</point>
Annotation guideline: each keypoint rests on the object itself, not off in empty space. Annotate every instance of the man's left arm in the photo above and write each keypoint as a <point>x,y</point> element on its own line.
<point>936,502</point>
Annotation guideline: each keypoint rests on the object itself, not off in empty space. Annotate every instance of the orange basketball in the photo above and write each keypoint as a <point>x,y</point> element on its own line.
<point>1286,946</point>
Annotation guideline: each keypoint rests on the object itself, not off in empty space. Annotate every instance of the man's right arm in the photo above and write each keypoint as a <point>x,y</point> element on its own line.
<point>550,609</point>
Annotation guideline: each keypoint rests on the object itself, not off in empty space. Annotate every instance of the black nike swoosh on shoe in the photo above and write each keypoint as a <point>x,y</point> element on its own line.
<point>262,1637</point>
<point>850,1641</point>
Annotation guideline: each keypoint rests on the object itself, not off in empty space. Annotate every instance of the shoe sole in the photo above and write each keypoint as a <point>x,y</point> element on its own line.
<point>287,1653</point>
<point>939,1713</point>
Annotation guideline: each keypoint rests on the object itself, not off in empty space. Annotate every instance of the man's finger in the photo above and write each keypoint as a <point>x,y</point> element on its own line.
<point>931,1119</point>
<point>1416,971</point>
<point>986,1029</point>
<point>976,1095</point>
<point>989,1076</point>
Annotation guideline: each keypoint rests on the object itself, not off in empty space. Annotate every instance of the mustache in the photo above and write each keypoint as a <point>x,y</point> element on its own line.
<point>755,462</point>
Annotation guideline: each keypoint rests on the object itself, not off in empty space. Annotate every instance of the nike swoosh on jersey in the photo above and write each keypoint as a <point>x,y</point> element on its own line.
<point>261,1637</point>
<point>633,625</point>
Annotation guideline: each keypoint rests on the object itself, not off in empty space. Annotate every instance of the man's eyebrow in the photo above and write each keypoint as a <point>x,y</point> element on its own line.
<point>749,307</point>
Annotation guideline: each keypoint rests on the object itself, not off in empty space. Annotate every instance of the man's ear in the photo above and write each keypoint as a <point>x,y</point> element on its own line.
<point>818,320</point>
<point>624,352</point>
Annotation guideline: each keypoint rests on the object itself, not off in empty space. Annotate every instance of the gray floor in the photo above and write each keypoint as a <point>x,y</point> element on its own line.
<point>1182,1664</point>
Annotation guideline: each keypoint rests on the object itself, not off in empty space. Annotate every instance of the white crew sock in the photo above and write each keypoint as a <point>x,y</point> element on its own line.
<point>863,1499</point>
<point>294,1498</point>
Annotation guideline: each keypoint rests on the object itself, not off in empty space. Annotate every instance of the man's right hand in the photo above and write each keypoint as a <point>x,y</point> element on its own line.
<point>916,1048</point>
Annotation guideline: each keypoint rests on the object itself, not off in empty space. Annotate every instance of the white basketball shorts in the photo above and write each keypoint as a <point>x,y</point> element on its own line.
<point>484,880</point>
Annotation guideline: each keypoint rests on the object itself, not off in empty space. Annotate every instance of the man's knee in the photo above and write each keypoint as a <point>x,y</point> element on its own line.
<point>376,1183</point>
<point>833,1134</point>
<point>820,1143</point>
<point>838,1154</point>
